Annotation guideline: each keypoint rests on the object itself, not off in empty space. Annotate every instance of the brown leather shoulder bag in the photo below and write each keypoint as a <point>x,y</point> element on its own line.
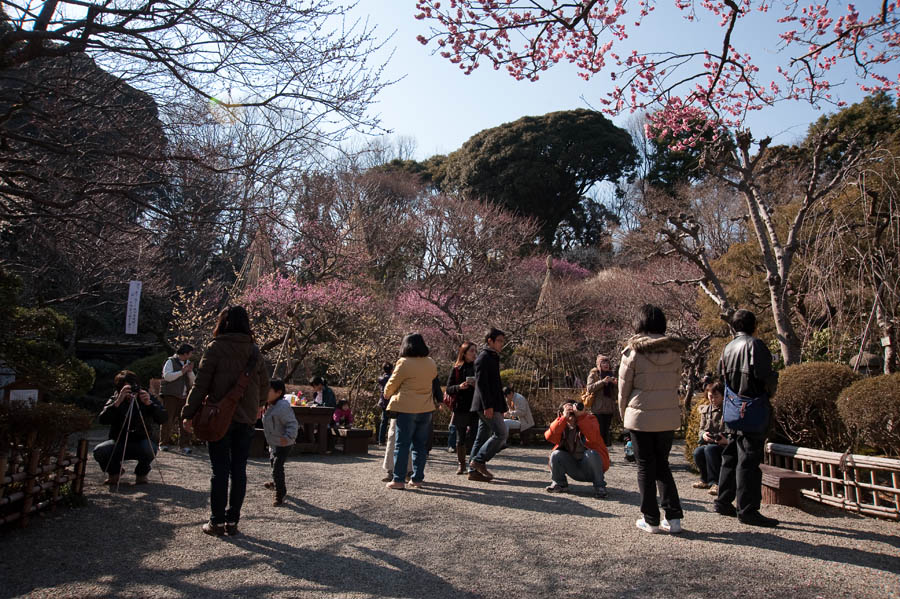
<point>212,420</point>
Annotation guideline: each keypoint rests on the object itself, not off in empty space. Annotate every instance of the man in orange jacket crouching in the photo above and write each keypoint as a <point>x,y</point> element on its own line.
<point>578,450</point>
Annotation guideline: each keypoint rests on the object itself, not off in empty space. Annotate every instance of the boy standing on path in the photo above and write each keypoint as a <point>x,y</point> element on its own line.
<point>281,428</point>
<point>489,403</point>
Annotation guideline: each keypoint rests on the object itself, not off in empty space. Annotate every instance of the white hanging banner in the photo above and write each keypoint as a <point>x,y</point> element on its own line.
<point>134,303</point>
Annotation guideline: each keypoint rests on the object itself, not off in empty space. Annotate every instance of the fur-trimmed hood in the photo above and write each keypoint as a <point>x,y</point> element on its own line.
<point>651,344</point>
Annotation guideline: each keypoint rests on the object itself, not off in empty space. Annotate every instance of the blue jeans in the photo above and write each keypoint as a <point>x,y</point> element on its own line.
<point>491,437</point>
<point>228,457</point>
<point>414,430</point>
<point>451,438</point>
<point>588,469</point>
<point>708,459</point>
<point>109,456</point>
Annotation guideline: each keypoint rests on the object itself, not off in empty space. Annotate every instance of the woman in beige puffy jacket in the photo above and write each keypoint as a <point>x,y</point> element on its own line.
<point>649,376</point>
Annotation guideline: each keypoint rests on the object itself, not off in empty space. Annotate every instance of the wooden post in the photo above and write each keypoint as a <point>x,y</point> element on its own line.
<point>4,463</point>
<point>58,472</point>
<point>78,485</point>
<point>34,458</point>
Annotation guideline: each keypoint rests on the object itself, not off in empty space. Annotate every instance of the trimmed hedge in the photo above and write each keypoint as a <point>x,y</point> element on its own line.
<point>692,434</point>
<point>51,421</point>
<point>870,409</point>
<point>148,367</point>
<point>805,405</point>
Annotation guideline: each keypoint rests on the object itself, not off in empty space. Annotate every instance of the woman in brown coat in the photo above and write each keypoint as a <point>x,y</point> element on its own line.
<point>601,389</point>
<point>228,354</point>
<point>649,375</point>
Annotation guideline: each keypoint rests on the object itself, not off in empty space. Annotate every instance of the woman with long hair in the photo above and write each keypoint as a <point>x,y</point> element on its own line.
<point>649,376</point>
<point>410,390</point>
<point>229,353</point>
<point>461,387</point>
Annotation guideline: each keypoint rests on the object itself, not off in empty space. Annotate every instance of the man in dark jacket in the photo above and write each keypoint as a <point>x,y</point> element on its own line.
<point>130,413</point>
<point>746,369</point>
<point>489,403</point>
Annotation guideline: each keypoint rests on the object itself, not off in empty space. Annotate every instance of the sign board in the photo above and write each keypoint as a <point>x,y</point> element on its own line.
<point>29,396</point>
<point>21,391</point>
<point>134,304</point>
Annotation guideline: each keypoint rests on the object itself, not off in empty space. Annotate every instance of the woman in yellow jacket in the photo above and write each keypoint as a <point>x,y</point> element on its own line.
<point>410,390</point>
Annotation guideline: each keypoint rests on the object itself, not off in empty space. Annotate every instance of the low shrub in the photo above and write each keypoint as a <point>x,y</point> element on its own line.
<point>805,405</point>
<point>51,421</point>
<point>692,434</point>
<point>870,408</point>
<point>515,379</point>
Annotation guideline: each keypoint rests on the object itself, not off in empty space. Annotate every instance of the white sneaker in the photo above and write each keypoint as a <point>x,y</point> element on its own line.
<point>646,527</point>
<point>672,526</point>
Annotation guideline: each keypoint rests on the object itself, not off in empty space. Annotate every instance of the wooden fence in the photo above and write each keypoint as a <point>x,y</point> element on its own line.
<point>32,477</point>
<point>856,483</point>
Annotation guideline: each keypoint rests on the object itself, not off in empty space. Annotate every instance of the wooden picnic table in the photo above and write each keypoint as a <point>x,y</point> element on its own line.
<point>312,435</point>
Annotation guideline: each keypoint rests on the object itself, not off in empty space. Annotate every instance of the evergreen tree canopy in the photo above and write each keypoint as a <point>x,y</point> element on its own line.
<point>543,167</point>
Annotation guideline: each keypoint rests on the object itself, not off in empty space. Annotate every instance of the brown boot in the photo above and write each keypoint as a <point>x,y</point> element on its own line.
<point>461,458</point>
<point>481,469</point>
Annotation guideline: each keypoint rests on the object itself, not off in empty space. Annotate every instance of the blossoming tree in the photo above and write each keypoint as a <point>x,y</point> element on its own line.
<point>712,85</point>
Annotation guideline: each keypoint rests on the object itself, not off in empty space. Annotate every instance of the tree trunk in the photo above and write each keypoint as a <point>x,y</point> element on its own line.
<point>787,338</point>
<point>889,335</point>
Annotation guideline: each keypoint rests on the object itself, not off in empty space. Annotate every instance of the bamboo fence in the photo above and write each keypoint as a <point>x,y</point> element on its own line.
<point>856,483</point>
<point>32,476</point>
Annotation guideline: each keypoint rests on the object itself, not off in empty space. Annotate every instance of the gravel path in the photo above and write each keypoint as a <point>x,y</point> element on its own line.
<point>342,534</point>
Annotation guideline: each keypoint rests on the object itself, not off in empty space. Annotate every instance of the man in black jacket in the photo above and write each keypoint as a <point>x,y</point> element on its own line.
<point>746,369</point>
<point>488,402</point>
<point>129,426</point>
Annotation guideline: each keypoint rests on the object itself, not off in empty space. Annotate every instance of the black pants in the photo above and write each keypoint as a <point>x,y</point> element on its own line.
<point>739,475</point>
<point>277,456</point>
<point>651,451</point>
<point>466,424</point>
<point>228,457</point>
<point>605,421</point>
<point>383,427</point>
<point>110,456</point>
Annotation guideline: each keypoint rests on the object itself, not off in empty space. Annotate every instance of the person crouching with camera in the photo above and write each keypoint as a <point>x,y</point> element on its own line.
<point>130,413</point>
<point>578,450</point>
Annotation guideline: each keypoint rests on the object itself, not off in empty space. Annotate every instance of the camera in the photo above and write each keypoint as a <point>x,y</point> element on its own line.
<point>579,406</point>
<point>135,389</point>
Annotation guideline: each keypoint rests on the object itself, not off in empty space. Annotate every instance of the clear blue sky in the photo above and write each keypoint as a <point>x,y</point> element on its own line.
<point>440,107</point>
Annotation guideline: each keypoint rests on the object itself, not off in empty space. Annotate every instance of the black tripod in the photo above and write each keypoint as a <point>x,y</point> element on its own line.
<point>126,428</point>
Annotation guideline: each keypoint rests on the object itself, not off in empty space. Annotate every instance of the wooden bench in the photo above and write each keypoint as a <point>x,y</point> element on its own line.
<point>781,486</point>
<point>355,440</point>
<point>529,436</point>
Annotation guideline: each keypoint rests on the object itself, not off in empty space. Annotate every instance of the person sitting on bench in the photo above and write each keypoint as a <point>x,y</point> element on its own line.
<point>343,417</point>
<point>708,454</point>
<point>519,417</point>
